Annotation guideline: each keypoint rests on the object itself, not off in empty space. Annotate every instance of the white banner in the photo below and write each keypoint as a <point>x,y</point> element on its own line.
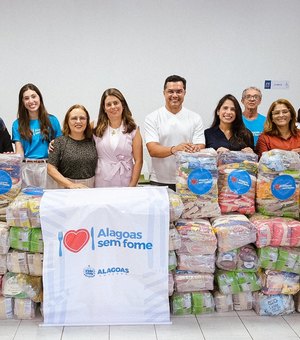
<point>105,256</point>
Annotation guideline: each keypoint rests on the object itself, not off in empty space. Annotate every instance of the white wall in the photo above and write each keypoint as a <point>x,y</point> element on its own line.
<point>74,49</point>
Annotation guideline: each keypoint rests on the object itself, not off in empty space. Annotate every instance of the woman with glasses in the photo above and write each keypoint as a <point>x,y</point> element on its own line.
<point>118,142</point>
<point>72,163</point>
<point>32,133</point>
<point>280,131</point>
<point>228,131</point>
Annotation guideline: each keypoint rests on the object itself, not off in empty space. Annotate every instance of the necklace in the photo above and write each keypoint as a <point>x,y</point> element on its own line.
<point>114,131</point>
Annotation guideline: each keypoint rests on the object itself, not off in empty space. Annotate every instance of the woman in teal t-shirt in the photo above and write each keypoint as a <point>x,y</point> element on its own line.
<point>31,133</point>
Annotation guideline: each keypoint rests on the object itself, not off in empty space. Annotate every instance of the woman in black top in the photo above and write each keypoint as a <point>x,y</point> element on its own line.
<point>228,131</point>
<point>72,163</point>
<point>5,140</point>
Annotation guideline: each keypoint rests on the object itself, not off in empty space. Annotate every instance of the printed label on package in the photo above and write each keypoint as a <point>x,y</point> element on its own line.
<point>239,182</point>
<point>283,187</point>
<point>33,191</point>
<point>5,182</point>
<point>200,181</point>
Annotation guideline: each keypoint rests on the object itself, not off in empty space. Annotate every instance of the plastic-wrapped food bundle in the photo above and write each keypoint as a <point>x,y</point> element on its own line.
<point>275,282</point>
<point>181,303</point>
<point>197,237</point>
<point>192,303</point>
<point>6,308</point>
<point>3,265</point>
<point>22,262</point>
<point>187,281</point>
<point>227,260</point>
<point>35,264</point>
<point>267,257</point>
<point>27,239</point>
<point>196,263</point>
<point>224,303</point>
<point>174,239</point>
<point>10,177</point>
<point>24,309</point>
<point>172,260</point>
<point>4,240</point>
<point>237,181</point>
<point>171,284</point>
<point>176,205</point>
<point>24,211</point>
<point>242,259</point>
<point>17,262</point>
<point>233,231</point>
<point>271,305</point>
<point>242,301</point>
<point>196,183</point>
<point>202,303</point>
<point>247,259</point>
<point>236,282</point>
<point>283,259</point>
<point>276,231</point>
<point>248,282</point>
<point>277,192</point>
<point>22,286</point>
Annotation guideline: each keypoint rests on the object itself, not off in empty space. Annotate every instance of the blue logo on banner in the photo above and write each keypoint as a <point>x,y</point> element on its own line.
<point>239,181</point>
<point>283,187</point>
<point>89,271</point>
<point>5,182</point>
<point>200,181</point>
<point>268,84</point>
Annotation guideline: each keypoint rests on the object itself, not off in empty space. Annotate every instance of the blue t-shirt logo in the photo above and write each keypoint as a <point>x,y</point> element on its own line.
<point>5,182</point>
<point>283,187</point>
<point>239,182</point>
<point>200,181</point>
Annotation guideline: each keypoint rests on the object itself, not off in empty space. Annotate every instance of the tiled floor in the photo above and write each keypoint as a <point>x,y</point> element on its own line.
<point>224,326</point>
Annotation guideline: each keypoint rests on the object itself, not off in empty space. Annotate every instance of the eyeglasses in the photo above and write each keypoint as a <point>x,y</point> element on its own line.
<point>255,97</point>
<point>284,112</point>
<point>81,118</point>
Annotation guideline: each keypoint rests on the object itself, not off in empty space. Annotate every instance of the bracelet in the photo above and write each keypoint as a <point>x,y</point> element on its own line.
<point>171,150</point>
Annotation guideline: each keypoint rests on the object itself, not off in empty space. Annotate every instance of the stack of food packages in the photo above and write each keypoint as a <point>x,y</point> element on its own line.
<point>247,276</point>
<point>278,232</point>
<point>278,242</point>
<point>10,180</point>
<point>237,263</point>
<point>21,263</point>
<point>192,240</point>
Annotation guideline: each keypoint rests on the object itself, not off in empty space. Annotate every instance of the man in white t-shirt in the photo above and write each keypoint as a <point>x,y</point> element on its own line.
<point>169,129</point>
<point>253,120</point>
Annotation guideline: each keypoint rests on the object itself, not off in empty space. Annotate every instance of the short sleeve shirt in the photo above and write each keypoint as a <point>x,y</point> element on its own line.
<point>38,147</point>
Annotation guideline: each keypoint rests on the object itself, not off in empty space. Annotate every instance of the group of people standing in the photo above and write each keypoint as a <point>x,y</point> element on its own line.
<point>110,152</point>
<point>174,128</point>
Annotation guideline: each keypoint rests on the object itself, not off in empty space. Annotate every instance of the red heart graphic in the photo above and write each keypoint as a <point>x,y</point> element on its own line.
<point>75,240</point>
